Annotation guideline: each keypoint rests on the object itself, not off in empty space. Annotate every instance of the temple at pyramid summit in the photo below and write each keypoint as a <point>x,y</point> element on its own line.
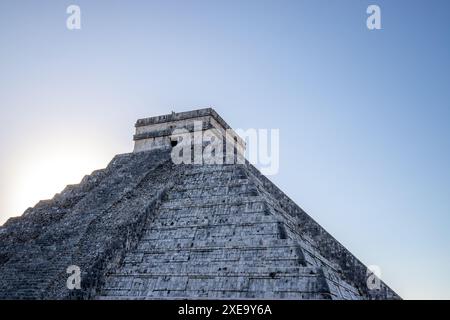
<point>146,227</point>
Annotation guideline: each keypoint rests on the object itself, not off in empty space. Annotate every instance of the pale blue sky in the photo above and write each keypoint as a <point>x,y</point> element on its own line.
<point>363,115</point>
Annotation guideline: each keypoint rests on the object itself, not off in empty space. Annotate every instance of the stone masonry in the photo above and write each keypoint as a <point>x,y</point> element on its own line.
<point>146,228</point>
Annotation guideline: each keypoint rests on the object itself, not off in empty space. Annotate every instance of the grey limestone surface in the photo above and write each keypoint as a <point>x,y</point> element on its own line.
<point>146,228</point>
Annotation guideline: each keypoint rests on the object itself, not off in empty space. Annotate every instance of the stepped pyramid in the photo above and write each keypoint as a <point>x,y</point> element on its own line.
<point>147,228</point>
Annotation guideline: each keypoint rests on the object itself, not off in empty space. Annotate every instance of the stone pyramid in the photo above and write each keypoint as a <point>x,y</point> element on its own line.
<point>147,228</point>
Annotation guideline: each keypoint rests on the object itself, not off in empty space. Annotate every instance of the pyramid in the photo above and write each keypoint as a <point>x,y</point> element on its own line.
<point>147,228</point>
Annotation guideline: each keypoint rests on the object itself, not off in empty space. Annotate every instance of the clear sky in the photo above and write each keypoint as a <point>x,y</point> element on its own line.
<point>363,115</point>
